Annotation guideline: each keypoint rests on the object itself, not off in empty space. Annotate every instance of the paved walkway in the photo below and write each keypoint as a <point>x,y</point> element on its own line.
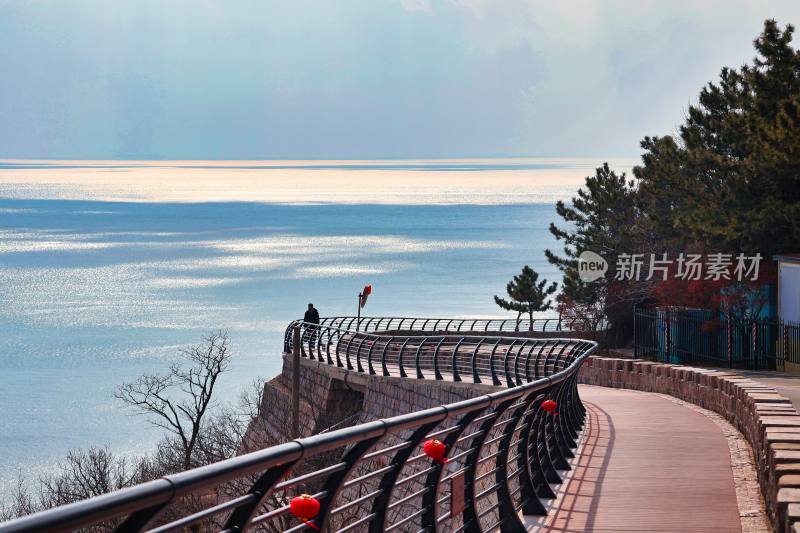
<point>648,464</point>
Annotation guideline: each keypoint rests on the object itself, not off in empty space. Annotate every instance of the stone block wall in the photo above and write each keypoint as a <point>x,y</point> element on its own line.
<point>325,402</point>
<point>331,394</point>
<point>334,397</point>
<point>768,421</point>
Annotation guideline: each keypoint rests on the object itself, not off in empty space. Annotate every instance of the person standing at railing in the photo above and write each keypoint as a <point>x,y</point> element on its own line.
<point>311,318</point>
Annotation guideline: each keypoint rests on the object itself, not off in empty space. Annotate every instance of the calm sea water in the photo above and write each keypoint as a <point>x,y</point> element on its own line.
<point>107,270</point>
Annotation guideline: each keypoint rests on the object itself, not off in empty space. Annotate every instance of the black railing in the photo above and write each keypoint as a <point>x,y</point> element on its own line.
<point>476,358</point>
<point>504,450</point>
<point>694,336</point>
<point>391,323</point>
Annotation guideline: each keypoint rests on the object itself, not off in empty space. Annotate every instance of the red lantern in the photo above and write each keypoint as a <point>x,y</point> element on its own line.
<point>305,507</point>
<point>436,450</point>
<point>549,406</point>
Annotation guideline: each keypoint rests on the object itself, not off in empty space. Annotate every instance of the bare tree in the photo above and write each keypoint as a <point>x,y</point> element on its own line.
<point>84,474</point>
<point>17,501</point>
<point>198,433</point>
<point>179,400</point>
<point>80,475</point>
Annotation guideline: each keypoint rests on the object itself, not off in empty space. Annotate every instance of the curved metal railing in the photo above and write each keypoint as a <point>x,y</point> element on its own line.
<point>476,358</point>
<point>504,450</point>
<point>392,323</point>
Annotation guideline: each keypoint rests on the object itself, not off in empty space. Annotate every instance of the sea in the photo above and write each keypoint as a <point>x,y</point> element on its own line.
<point>109,268</point>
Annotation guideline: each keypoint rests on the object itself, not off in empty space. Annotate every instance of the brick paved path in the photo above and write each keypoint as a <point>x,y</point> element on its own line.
<point>648,464</point>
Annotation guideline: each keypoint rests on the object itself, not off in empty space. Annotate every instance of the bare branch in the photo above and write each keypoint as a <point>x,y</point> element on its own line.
<point>179,400</point>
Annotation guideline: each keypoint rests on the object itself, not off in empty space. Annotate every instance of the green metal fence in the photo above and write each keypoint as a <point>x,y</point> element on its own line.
<point>701,337</point>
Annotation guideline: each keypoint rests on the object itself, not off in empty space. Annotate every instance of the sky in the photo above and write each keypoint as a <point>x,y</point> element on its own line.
<point>371,79</point>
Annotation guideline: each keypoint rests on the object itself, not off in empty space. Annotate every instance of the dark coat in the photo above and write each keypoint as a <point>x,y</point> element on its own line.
<point>312,316</point>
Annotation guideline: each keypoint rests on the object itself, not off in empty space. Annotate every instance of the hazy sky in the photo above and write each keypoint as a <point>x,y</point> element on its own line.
<point>359,79</point>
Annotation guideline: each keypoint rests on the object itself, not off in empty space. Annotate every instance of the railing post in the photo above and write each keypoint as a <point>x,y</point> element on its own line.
<point>433,480</point>
<point>347,352</point>
<point>475,376</point>
<point>380,505</point>
<point>383,356</point>
<point>296,382</point>
<point>785,345</point>
<point>454,361</point>
<point>528,362</point>
<point>328,347</point>
<point>635,332</point>
<point>369,358</point>
<point>436,373</point>
<point>729,331</point>
<point>566,435</point>
<point>505,363</point>
<point>335,482</point>
<point>495,379</point>
<point>510,521</point>
<point>417,360</point>
<point>239,520</point>
<point>543,471</point>
<point>471,463</point>
<point>531,505</point>
<point>667,337</point>
<point>400,359</point>
<point>359,366</point>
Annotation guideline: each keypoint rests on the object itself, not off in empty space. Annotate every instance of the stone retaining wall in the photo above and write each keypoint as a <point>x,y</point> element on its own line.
<point>767,420</point>
<point>324,402</point>
<point>331,395</point>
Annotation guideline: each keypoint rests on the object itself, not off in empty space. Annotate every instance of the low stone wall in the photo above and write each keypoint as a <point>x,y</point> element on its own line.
<point>324,402</point>
<point>767,420</point>
<point>331,396</point>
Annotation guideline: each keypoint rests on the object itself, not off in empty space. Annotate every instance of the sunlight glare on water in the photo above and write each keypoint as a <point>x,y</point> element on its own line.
<point>108,268</point>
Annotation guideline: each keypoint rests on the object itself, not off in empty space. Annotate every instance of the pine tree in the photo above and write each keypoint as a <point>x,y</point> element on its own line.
<point>602,218</point>
<point>528,294</point>
<point>731,181</point>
